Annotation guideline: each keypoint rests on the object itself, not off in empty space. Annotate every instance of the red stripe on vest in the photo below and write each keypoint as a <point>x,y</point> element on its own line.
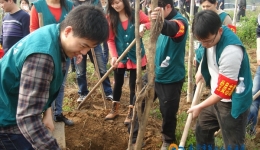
<point>233,28</point>
<point>181,29</point>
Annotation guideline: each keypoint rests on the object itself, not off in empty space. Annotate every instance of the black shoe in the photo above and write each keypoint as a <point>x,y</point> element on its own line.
<point>61,118</point>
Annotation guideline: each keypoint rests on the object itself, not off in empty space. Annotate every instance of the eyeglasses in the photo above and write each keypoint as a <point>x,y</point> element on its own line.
<point>209,41</point>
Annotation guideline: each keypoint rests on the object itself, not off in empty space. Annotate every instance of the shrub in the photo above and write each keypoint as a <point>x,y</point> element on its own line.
<point>246,31</point>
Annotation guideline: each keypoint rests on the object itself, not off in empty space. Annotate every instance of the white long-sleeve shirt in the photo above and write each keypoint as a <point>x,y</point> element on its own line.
<point>229,64</point>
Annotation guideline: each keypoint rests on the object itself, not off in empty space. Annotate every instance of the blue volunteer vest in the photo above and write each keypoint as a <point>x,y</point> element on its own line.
<point>176,51</point>
<point>123,39</point>
<point>48,18</point>
<point>240,101</point>
<point>11,67</point>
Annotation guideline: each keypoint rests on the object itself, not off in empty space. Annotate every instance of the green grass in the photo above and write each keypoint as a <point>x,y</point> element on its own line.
<point>71,79</point>
<point>67,107</point>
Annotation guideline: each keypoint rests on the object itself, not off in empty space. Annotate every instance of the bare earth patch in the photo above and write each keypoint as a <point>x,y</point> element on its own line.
<point>92,132</point>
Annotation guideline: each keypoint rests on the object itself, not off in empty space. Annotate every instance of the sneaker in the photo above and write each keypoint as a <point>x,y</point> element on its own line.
<point>165,146</point>
<point>61,118</point>
<point>109,97</point>
<point>81,98</point>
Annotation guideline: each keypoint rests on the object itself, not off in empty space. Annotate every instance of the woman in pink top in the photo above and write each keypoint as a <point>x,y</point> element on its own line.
<point>121,34</point>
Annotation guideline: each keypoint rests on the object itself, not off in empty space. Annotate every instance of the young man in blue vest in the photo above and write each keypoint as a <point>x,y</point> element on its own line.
<point>38,66</point>
<point>169,80</point>
<point>225,61</point>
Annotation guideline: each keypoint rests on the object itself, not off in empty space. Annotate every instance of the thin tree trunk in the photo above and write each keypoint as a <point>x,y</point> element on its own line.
<point>191,56</point>
<point>235,14</point>
<point>99,77</point>
<point>138,67</point>
<point>138,47</point>
<point>149,90</point>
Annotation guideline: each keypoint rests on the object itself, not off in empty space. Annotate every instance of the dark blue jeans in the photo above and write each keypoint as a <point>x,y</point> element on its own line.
<point>58,103</point>
<point>254,108</point>
<point>105,52</point>
<point>81,70</point>
<point>14,142</point>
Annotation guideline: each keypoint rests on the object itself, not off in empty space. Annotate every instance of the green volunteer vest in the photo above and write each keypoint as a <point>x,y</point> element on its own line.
<point>200,50</point>
<point>165,46</point>
<point>222,16</point>
<point>123,39</point>
<point>240,102</point>
<point>11,67</point>
<point>48,18</point>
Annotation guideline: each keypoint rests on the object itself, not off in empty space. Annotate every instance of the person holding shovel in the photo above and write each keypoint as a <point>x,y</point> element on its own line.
<point>254,108</point>
<point>121,34</point>
<point>169,79</point>
<point>225,68</point>
<point>225,19</point>
<point>38,67</point>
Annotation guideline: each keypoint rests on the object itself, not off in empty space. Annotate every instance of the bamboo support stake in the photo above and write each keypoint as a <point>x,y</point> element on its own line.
<point>191,56</point>
<point>40,19</point>
<point>256,95</point>
<point>105,75</point>
<point>195,101</point>
<point>99,77</point>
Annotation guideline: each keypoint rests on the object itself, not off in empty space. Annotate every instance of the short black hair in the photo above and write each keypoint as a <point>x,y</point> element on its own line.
<point>27,1</point>
<point>13,0</point>
<point>205,22</point>
<point>163,3</point>
<point>87,22</point>
<point>211,1</point>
